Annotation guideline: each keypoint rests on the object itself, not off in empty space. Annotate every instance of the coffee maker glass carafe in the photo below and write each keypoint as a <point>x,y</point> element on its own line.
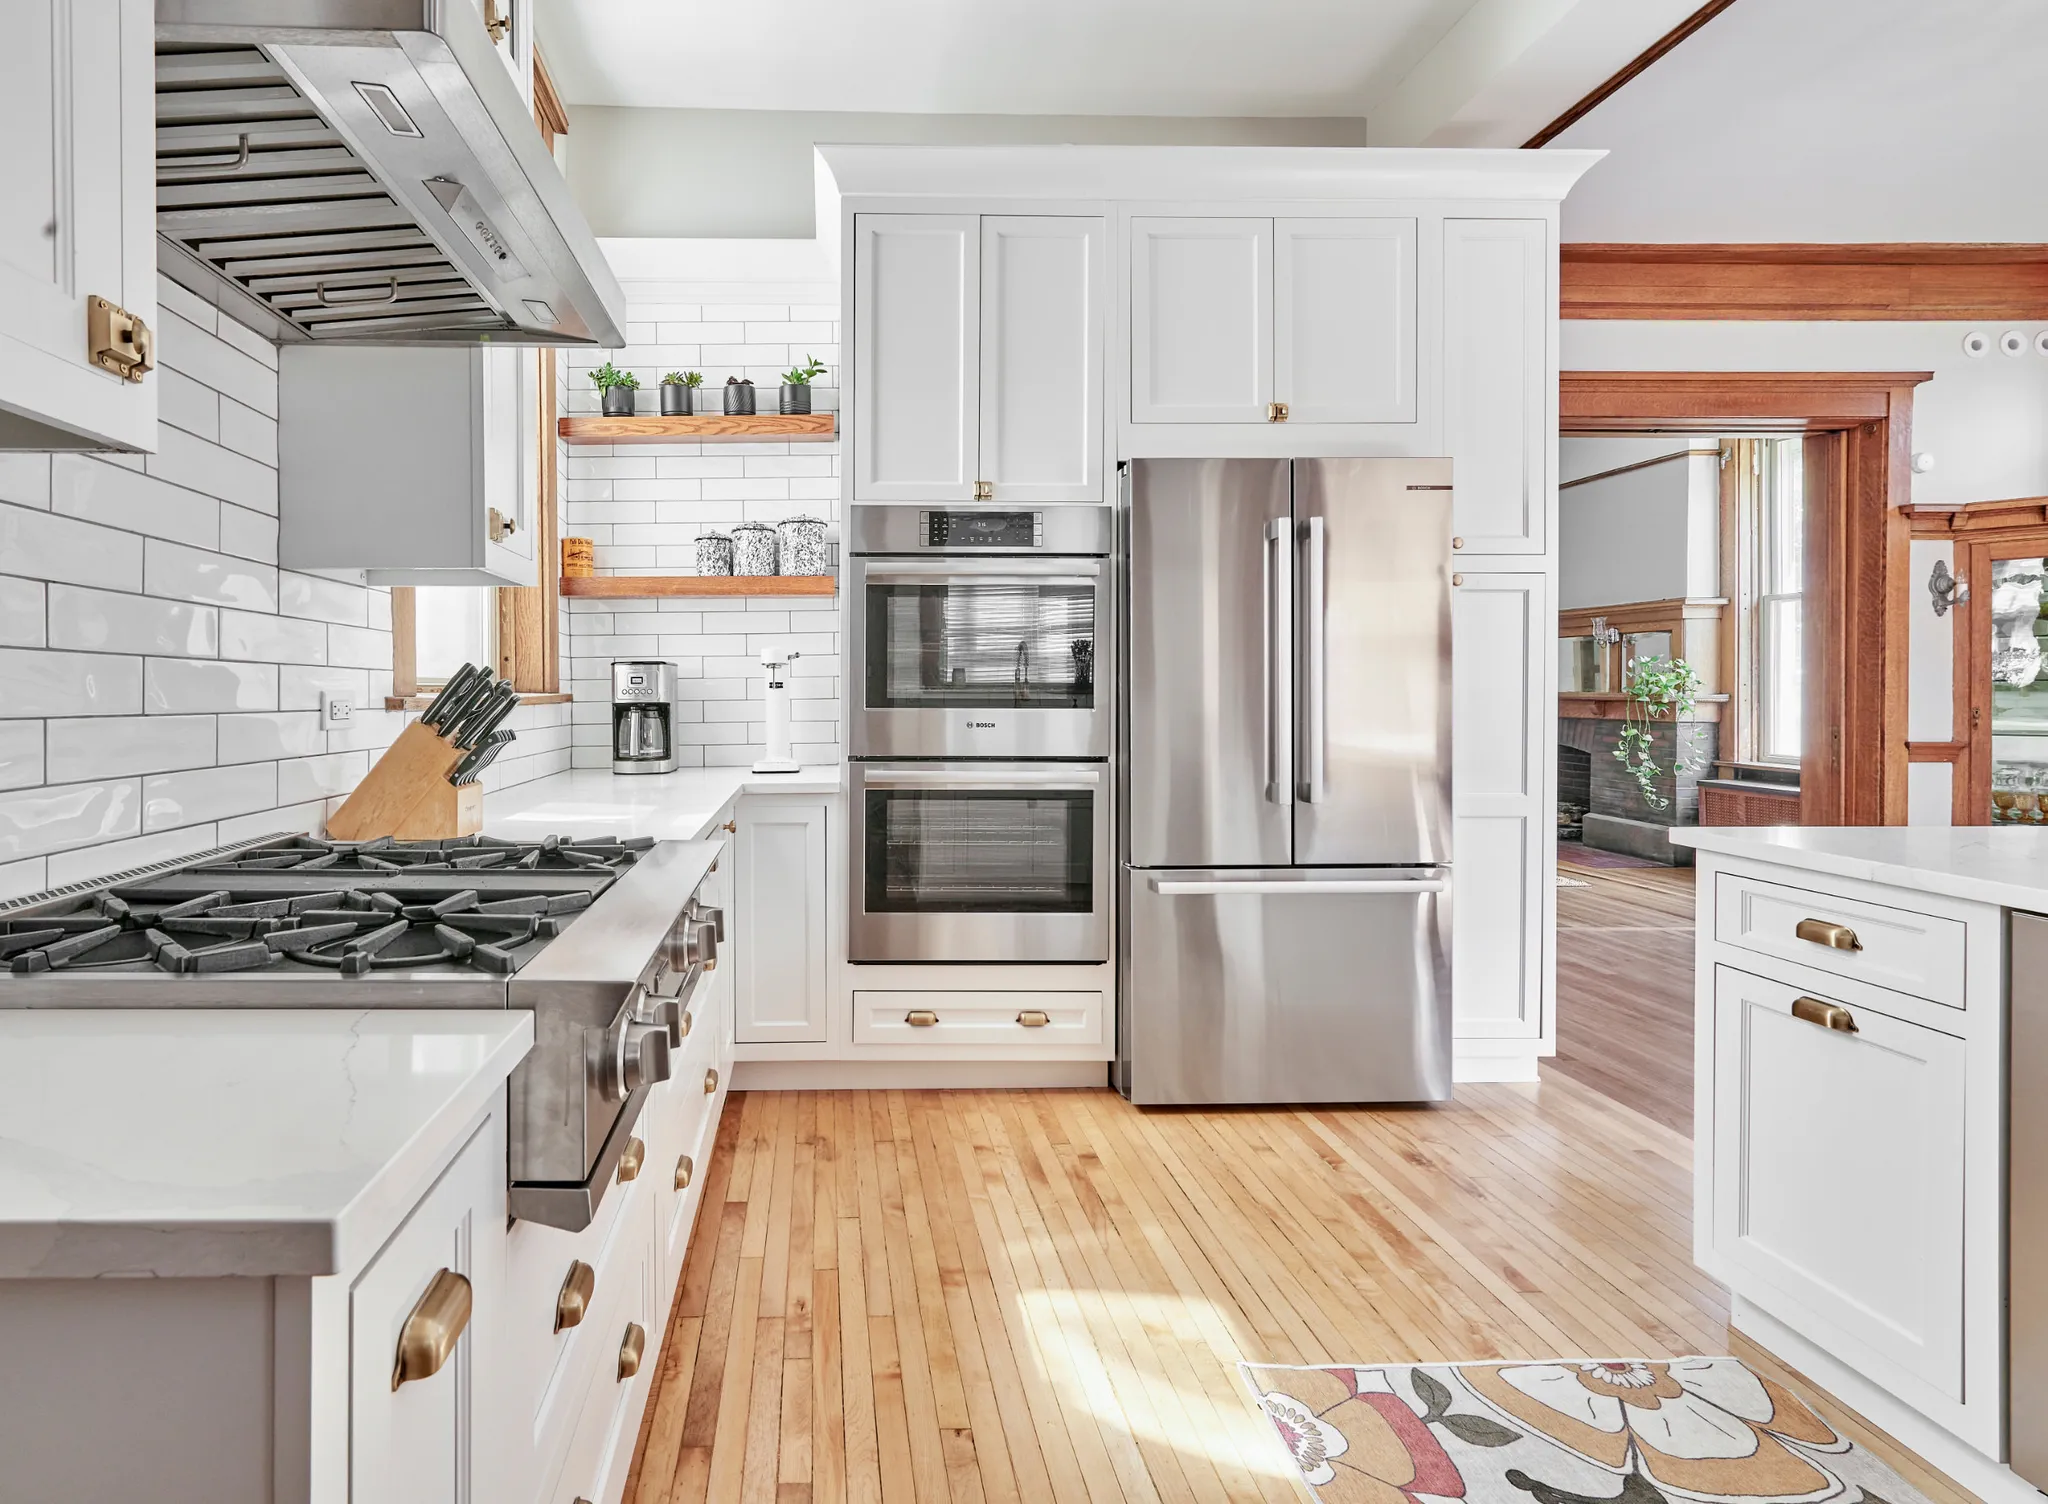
<point>643,717</point>
<point>642,732</point>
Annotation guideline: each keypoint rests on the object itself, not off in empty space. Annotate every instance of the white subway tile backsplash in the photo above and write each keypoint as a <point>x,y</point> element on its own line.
<point>36,822</point>
<point>174,799</point>
<point>175,685</point>
<point>359,647</point>
<point>299,685</point>
<point>90,487</point>
<point>25,479</point>
<point>268,735</point>
<point>45,546</point>
<point>185,403</point>
<point>194,574</point>
<point>115,746</point>
<point>183,346</point>
<point>108,621</point>
<point>322,599</point>
<point>214,471</point>
<point>19,879</point>
<point>90,862</point>
<point>303,778</point>
<point>21,754</point>
<point>248,432</point>
<point>247,534</point>
<point>22,620</point>
<point>37,682</point>
<point>272,639</point>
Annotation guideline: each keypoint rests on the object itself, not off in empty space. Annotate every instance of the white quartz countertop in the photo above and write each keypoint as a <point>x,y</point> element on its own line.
<point>2002,865</point>
<point>201,1142</point>
<point>678,806</point>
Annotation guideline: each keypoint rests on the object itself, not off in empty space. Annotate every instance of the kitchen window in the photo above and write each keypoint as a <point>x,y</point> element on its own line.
<point>452,625</point>
<point>1772,534</point>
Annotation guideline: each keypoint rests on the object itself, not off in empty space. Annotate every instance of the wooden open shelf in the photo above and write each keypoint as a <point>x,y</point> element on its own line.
<point>707,428</point>
<point>645,586</point>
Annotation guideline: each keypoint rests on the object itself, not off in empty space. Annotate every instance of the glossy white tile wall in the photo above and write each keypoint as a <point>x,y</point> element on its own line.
<point>160,676</point>
<point>643,506</point>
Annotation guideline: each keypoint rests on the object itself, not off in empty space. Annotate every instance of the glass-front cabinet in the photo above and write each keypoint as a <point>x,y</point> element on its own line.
<point>2019,691</point>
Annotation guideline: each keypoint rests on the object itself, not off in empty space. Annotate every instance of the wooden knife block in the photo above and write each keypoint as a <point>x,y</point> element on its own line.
<point>406,795</point>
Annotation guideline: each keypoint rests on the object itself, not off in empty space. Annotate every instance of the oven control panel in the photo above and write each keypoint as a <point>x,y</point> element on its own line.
<point>982,529</point>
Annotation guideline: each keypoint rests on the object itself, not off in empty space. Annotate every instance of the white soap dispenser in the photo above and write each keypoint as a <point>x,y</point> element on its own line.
<point>777,759</point>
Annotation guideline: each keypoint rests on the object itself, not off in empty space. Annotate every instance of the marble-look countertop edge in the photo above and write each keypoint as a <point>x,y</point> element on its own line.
<point>678,806</point>
<point>1941,878</point>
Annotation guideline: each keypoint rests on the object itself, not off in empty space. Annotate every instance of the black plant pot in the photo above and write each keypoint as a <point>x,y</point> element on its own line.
<point>796,399</point>
<point>675,400</point>
<point>618,401</point>
<point>739,399</point>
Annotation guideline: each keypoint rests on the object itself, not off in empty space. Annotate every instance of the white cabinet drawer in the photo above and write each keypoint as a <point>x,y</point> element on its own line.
<point>600,1451</point>
<point>913,1019</point>
<point>1837,1197</point>
<point>1919,954</point>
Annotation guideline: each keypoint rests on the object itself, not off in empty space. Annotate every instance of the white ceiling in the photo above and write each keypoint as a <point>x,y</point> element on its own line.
<point>1829,120</point>
<point>1006,57</point>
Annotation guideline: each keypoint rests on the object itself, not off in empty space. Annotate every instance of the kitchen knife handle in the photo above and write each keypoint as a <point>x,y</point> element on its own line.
<point>449,695</point>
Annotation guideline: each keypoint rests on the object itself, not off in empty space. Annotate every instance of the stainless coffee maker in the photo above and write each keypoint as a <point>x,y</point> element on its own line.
<point>643,716</point>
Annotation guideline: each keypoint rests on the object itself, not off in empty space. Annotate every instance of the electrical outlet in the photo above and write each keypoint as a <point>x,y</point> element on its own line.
<point>336,711</point>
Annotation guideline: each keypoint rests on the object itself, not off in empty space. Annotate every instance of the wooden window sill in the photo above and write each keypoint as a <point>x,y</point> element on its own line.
<point>421,702</point>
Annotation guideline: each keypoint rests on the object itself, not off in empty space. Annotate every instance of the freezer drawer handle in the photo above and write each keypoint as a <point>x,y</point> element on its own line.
<point>1834,936</point>
<point>1170,888</point>
<point>1827,1015</point>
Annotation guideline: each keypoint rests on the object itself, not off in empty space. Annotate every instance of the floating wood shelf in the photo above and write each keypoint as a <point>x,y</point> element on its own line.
<point>710,428</point>
<point>644,586</point>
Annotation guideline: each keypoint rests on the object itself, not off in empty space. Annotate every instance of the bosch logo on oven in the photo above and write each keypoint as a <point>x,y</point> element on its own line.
<point>981,725</point>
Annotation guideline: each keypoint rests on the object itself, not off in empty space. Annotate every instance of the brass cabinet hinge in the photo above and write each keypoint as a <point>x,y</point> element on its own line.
<point>1276,412</point>
<point>117,341</point>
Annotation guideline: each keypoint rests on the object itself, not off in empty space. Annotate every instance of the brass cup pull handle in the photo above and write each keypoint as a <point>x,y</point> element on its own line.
<point>432,1330</point>
<point>631,1347</point>
<point>710,1082</point>
<point>686,1169</point>
<point>921,1018</point>
<point>1827,1015</point>
<point>1821,932</point>
<point>1034,1018</point>
<point>631,1161</point>
<point>573,1303</point>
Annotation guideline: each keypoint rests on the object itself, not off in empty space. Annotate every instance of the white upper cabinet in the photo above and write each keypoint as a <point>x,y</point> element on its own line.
<point>77,222</point>
<point>1497,381</point>
<point>1344,320</point>
<point>412,464</point>
<point>1201,320</point>
<point>916,318</point>
<point>1041,357</point>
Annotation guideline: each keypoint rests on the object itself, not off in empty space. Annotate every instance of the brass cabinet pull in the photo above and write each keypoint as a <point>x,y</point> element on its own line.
<point>630,1349</point>
<point>573,1303</point>
<point>686,1023</point>
<point>1827,1015</point>
<point>920,1018</point>
<point>1034,1018</point>
<point>1457,543</point>
<point>432,1330</point>
<point>710,1082</point>
<point>1834,936</point>
<point>631,1161</point>
<point>1276,412</point>
<point>984,490</point>
<point>685,1168</point>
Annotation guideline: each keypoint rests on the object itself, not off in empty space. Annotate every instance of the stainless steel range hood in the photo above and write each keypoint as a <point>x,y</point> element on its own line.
<point>365,172</point>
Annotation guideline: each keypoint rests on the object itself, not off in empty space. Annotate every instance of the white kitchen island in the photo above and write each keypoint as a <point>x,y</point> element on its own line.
<point>1851,1099</point>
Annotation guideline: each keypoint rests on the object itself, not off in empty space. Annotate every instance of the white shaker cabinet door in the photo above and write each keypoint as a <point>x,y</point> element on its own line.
<point>1502,833</point>
<point>77,219</point>
<point>1497,381</point>
<point>1344,320</point>
<point>916,325</point>
<point>1041,357</point>
<point>1201,320</point>
<point>1838,1177</point>
<point>779,964</point>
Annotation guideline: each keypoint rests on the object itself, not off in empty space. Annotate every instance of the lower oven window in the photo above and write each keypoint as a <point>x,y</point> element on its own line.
<point>944,851</point>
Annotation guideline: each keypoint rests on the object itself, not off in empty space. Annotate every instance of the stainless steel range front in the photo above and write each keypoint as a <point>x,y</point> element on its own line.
<point>604,940</point>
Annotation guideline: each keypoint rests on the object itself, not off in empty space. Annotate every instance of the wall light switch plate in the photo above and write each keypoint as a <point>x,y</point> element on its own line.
<point>337,711</point>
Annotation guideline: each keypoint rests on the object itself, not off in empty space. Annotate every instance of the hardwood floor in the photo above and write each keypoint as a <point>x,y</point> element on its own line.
<point>917,1297</point>
<point>1624,988</point>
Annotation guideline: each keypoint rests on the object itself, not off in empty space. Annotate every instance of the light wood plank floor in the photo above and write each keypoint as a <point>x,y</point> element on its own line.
<point>921,1297</point>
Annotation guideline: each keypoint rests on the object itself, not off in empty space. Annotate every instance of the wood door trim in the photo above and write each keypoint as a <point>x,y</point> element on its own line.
<point>1627,73</point>
<point>2023,516</point>
<point>1858,554</point>
<point>1948,752</point>
<point>1798,280</point>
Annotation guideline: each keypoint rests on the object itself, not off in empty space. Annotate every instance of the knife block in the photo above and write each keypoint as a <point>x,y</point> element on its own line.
<point>406,794</point>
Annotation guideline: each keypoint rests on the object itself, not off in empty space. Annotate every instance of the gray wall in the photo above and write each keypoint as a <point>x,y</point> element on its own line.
<point>748,173</point>
<point>1644,535</point>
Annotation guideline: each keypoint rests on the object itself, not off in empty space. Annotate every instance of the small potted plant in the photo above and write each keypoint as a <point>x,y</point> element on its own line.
<point>676,388</point>
<point>796,385</point>
<point>618,387</point>
<point>739,397</point>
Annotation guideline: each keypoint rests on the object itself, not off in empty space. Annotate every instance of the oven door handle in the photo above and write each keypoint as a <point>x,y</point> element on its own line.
<point>1035,778</point>
<point>1037,571</point>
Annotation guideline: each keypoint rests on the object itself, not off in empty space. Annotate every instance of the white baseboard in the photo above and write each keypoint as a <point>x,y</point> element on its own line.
<point>1519,1066</point>
<point>1987,1478</point>
<point>914,1075</point>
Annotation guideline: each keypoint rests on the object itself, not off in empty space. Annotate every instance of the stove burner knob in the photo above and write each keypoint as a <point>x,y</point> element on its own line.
<point>711,914</point>
<point>670,1015</point>
<point>700,942</point>
<point>643,1055</point>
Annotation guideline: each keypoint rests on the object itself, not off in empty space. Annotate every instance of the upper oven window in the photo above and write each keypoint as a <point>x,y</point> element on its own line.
<point>962,643</point>
<point>980,851</point>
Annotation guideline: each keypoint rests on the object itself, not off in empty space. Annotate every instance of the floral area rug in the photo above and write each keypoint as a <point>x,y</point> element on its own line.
<point>1568,1431</point>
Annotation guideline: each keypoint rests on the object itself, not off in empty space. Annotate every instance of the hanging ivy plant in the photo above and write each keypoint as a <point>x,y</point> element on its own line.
<point>1656,689</point>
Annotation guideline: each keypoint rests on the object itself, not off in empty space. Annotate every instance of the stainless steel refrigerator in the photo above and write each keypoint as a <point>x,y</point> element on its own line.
<point>1284,770</point>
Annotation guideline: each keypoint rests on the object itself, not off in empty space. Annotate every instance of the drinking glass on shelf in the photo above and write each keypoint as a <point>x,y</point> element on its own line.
<point>2005,797</point>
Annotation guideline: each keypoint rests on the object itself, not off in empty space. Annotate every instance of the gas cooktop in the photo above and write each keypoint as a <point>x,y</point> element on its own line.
<point>463,854</point>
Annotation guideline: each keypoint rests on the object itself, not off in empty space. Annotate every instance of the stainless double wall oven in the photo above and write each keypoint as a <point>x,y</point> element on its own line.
<point>980,733</point>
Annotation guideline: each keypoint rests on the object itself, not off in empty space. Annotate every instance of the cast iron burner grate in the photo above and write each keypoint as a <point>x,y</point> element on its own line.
<point>345,930</point>
<point>462,854</point>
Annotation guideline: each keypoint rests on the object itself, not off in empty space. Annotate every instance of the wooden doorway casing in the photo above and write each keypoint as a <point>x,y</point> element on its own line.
<point>1854,768</point>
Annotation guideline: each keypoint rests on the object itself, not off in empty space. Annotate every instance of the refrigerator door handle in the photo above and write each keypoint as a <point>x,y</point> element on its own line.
<point>1172,888</point>
<point>1279,664</point>
<point>1314,649</point>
